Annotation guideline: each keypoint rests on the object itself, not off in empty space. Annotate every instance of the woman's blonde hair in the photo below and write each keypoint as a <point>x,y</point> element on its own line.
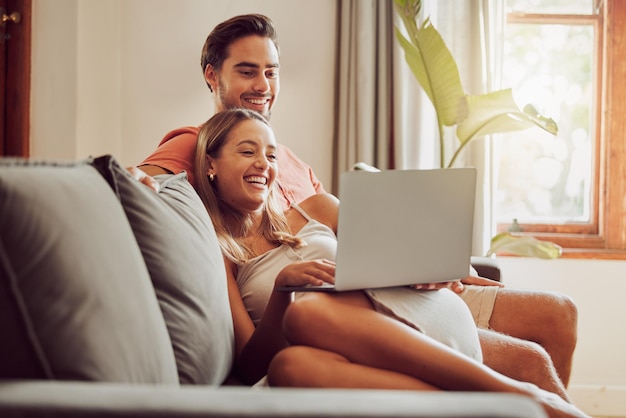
<point>211,139</point>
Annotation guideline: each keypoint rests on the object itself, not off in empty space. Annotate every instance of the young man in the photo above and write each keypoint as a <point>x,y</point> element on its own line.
<point>242,71</point>
<point>525,335</point>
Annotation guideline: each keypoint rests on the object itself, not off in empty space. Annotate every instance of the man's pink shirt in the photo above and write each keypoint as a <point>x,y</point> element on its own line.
<point>176,152</point>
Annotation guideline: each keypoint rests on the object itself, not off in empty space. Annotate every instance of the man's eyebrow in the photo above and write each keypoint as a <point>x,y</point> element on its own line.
<point>253,65</point>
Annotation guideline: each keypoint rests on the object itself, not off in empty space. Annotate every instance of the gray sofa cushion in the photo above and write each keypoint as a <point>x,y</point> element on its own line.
<point>183,256</point>
<point>76,301</point>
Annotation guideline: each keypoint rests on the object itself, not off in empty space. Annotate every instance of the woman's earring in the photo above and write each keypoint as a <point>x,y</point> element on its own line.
<point>211,177</point>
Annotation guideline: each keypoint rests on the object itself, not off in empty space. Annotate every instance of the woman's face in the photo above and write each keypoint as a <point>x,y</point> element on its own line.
<point>246,167</point>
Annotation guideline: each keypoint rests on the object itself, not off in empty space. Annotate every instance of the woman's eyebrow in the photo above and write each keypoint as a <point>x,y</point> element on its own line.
<point>255,143</point>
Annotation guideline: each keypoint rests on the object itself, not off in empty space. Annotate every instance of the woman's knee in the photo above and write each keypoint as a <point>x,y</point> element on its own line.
<point>314,319</point>
<point>288,366</point>
<point>306,316</point>
<point>301,366</point>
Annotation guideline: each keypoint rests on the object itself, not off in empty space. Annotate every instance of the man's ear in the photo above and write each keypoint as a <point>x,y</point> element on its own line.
<point>210,76</point>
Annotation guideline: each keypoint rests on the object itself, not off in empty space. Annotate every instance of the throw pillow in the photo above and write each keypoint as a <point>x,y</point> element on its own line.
<point>76,301</point>
<point>180,247</point>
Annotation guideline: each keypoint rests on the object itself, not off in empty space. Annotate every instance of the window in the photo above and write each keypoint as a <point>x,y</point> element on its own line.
<point>564,56</point>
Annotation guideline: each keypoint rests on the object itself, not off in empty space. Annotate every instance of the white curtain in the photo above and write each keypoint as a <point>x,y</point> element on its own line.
<point>383,116</point>
<point>473,31</point>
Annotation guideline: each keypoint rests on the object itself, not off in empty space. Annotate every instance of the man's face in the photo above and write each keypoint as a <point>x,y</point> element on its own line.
<point>248,77</point>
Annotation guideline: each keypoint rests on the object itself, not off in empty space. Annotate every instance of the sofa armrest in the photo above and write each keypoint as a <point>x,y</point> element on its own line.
<point>98,400</point>
<point>487,267</point>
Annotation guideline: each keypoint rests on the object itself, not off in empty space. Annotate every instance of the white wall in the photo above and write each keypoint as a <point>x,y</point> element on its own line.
<point>112,76</point>
<point>53,79</point>
<point>598,383</point>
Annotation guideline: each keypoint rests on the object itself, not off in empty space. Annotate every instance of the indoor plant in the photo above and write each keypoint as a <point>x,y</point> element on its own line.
<point>435,69</point>
<point>474,116</point>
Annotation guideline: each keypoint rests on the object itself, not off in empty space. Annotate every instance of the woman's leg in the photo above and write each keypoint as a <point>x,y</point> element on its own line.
<point>300,366</point>
<point>346,325</point>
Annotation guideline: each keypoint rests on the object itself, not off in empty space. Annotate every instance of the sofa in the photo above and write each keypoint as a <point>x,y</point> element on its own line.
<point>113,303</point>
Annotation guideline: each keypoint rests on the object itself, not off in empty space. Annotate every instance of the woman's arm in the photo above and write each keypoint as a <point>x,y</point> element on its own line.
<point>255,347</point>
<point>265,341</point>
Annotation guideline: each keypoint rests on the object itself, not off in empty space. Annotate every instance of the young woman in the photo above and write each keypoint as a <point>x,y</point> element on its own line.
<point>399,338</point>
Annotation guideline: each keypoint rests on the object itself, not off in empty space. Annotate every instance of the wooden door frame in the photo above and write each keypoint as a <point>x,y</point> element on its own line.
<point>17,81</point>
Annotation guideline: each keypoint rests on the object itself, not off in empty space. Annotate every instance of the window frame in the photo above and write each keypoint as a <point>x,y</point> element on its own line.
<point>605,235</point>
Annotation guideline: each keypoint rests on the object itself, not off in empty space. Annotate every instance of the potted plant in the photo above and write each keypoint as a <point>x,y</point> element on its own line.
<point>475,116</point>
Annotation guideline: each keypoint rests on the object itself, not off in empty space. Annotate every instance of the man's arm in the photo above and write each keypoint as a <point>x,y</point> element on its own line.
<point>176,151</point>
<point>153,170</point>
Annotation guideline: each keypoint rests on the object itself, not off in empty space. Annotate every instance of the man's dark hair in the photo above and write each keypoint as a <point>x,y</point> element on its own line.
<point>215,47</point>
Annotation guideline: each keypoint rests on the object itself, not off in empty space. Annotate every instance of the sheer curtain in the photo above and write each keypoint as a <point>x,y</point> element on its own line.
<point>473,31</point>
<point>384,118</point>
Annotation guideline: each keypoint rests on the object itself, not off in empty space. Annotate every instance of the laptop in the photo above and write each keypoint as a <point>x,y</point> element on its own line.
<point>402,227</point>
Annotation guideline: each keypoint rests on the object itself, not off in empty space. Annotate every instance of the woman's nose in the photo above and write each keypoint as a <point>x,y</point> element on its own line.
<point>262,162</point>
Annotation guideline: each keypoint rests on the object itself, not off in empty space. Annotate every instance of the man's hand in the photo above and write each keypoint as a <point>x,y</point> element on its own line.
<point>442,285</point>
<point>481,281</point>
<point>477,281</point>
<point>458,286</point>
<point>142,177</point>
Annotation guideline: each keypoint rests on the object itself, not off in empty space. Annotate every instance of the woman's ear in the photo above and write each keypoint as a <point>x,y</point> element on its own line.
<point>210,168</point>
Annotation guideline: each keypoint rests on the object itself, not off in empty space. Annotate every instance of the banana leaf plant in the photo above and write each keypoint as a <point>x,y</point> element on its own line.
<point>475,116</point>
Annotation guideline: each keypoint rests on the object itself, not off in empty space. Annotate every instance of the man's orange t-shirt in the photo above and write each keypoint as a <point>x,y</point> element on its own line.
<point>176,152</point>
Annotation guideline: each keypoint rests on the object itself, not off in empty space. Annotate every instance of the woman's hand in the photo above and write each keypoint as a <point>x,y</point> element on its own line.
<point>314,272</point>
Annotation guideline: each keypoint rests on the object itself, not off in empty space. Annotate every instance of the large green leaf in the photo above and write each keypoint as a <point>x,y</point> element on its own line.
<point>434,68</point>
<point>497,112</point>
<point>523,246</point>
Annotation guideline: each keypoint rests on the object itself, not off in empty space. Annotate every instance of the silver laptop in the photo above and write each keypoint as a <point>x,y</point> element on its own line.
<point>402,227</point>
